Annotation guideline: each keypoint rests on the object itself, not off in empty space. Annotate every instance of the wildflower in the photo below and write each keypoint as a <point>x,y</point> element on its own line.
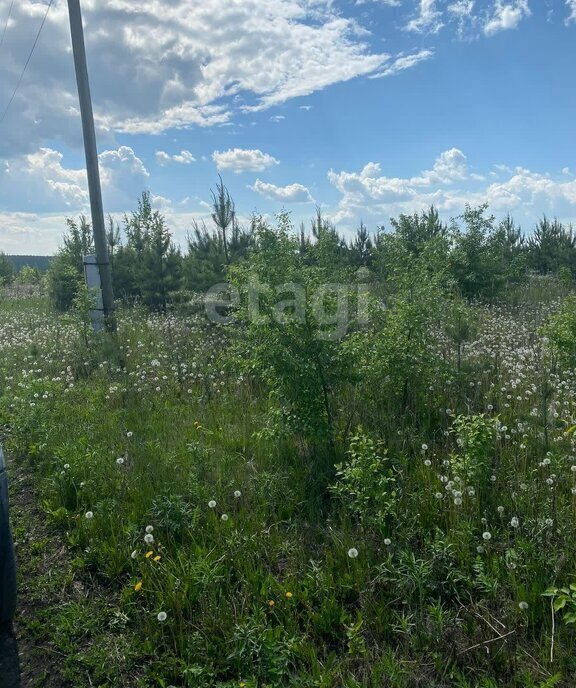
<point>471,491</point>
<point>271,603</point>
<point>157,557</point>
<point>148,538</point>
<point>134,554</point>
<point>439,495</point>
<point>352,552</point>
<point>288,595</point>
<point>89,515</point>
<point>224,517</point>
<point>387,542</point>
<point>457,501</point>
<point>138,586</point>
<point>424,447</point>
<point>162,616</point>
<point>573,468</point>
<point>514,522</point>
<point>212,503</point>
<point>480,549</point>
<point>486,535</point>
<point>523,606</point>
<point>427,462</point>
<point>549,522</point>
<point>66,466</point>
<point>237,494</point>
<point>129,433</point>
<point>120,460</point>
<point>149,554</point>
<point>149,529</point>
<point>500,509</point>
<point>546,462</point>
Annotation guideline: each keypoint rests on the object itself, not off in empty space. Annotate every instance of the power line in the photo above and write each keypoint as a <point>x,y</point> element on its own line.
<point>27,62</point>
<point>6,25</point>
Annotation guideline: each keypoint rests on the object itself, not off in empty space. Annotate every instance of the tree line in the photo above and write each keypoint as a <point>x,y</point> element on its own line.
<point>479,256</point>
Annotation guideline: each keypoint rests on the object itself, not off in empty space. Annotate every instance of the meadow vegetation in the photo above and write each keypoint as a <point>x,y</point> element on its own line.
<point>371,487</point>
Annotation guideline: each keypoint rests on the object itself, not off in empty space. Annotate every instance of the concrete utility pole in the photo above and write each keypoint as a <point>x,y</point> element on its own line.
<point>91,152</point>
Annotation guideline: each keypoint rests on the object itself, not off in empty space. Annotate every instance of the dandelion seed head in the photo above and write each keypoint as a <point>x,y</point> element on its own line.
<point>89,515</point>
<point>352,552</point>
<point>162,616</point>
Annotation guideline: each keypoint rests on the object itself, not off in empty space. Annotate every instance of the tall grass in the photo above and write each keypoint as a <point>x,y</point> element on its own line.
<point>414,551</point>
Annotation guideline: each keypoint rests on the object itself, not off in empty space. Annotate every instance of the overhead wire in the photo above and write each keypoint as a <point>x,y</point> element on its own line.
<point>27,62</point>
<point>6,24</point>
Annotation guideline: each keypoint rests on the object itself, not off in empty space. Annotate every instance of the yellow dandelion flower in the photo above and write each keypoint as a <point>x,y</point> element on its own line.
<point>288,595</point>
<point>138,586</point>
<point>149,554</point>
<point>271,603</point>
<point>157,557</point>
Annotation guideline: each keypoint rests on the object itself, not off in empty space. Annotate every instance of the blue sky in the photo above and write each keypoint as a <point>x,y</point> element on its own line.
<point>366,108</point>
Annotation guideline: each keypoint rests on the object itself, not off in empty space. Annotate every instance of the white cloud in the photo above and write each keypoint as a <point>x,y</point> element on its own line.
<point>390,3</point>
<point>403,62</point>
<point>30,233</point>
<point>506,16</point>
<point>462,12</point>
<point>449,186</point>
<point>571,5</point>
<point>243,160</point>
<point>428,18</point>
<point>164,64</point>
<point>293,193</point>
<point>42,181</point>
<point>185,157</point>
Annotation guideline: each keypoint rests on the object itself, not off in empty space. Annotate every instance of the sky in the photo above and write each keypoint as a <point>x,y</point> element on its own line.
<point>365,108</point>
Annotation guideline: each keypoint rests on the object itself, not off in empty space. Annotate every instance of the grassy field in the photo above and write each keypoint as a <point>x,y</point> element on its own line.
<point>187,536</point>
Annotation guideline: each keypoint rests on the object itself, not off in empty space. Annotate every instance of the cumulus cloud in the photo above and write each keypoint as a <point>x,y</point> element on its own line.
<point>42,183</point>
<point>506,16</point>
<point>185,157</point>
<point>243,160</point>
<point>449,185</point>
<point>293,193</point>
<point>571,5</point>
<point>158,64</point>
